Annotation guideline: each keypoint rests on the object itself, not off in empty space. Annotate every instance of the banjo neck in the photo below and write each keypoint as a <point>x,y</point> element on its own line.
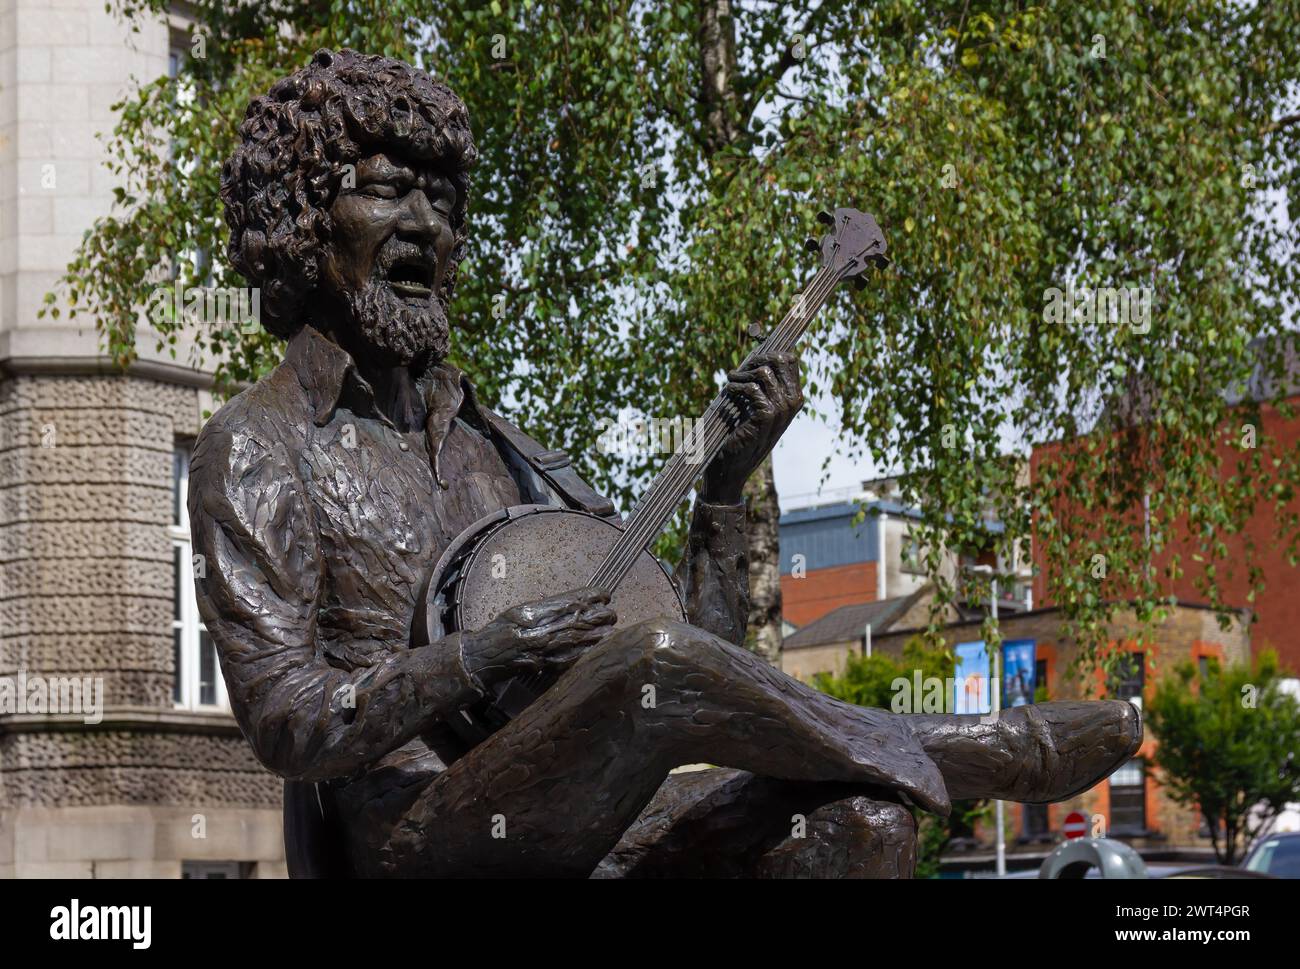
<point>855,239</point>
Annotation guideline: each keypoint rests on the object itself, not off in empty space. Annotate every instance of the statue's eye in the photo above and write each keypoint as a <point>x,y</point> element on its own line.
<point>378,190</point>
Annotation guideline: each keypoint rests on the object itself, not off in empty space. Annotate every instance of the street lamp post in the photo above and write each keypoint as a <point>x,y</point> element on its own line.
<point>997,709</point>
<point>996,695</point>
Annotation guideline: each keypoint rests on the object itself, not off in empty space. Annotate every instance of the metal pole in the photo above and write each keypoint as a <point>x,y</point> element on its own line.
<point>997,708</point>
<point>882,567</point>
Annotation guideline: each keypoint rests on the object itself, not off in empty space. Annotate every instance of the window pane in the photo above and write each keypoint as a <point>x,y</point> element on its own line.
<point>207,670</point>
<point>177,665</point>
<point>1035,819</point>
<point>1280,858</point>
<point>1128,797</point>
<point>1127,681</point>
<point>177,588</point>
<point>180,471</point>
<point>1130,775</point>
<point>1128,810</point>
<point>211,869</point>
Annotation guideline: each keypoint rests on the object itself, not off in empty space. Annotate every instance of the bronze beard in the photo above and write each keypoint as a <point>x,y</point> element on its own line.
<point>398,329</point>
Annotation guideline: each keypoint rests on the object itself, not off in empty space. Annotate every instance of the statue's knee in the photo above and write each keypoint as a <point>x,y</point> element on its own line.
<point>665,633</point>
<point>866,823</point>
<point>667,639</point>
<point>885,816</point>
<point>855,837</point>
<point>645,645</point>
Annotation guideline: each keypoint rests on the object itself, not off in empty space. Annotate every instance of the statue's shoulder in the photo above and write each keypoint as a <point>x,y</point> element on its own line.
<point>269,418</point>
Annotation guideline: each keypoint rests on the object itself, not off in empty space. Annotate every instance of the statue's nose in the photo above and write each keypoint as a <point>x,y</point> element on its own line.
<point>420,218</point>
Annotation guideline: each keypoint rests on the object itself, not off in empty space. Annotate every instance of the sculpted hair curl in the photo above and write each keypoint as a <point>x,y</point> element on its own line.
<point>279,184</point>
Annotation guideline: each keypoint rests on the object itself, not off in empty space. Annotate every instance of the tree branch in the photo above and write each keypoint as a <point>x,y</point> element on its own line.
<point>786,61</point>
<point>793,97</point>
<point>1283,122</point>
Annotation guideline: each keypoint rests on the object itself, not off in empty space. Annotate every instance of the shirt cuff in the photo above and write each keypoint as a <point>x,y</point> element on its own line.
<point>443,676</point>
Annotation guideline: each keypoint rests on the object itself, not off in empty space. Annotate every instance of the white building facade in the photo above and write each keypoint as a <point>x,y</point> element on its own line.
<point>153,779</point>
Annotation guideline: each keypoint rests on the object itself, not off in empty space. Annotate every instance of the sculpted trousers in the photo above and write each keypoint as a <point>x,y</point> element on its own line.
<point>578,784</point>
<point>554,791</point>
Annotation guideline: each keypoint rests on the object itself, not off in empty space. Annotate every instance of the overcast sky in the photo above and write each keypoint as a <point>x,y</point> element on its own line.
<point>799,456</point>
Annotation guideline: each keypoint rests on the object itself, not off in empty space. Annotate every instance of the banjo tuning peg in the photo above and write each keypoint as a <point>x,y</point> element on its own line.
<point>825,218</point>
<point>811,245</point>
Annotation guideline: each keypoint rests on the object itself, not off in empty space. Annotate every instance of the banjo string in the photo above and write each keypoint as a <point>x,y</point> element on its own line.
<point>671,485</point>
<point>668,491</point>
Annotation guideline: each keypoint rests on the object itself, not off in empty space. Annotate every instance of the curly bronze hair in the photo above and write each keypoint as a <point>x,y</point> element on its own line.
<point>281,180</point>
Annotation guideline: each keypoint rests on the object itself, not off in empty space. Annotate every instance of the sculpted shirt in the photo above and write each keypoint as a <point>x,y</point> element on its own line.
<point>318,521</point>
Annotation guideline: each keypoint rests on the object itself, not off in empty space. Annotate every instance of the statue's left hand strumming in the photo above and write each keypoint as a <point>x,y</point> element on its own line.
<point>768,394</point>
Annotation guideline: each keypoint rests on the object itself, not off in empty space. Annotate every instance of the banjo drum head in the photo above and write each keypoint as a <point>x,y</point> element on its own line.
<point>545,552</point>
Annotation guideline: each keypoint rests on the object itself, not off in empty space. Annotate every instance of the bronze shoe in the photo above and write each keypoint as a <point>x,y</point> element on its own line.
<point>1031,754</point>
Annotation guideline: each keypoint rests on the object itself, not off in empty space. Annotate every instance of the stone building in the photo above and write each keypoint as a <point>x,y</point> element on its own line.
<point>95,582</point>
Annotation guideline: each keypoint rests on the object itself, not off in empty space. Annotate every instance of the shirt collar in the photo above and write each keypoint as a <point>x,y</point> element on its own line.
<point>328,375</point>
<point>322,367</point>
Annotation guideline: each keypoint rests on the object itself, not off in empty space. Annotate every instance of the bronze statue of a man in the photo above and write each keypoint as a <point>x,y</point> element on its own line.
<point>323,496</point>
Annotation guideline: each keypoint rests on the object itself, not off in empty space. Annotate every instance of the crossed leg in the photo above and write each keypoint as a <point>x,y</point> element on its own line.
<point>553,791</point>
<point>722,823</point>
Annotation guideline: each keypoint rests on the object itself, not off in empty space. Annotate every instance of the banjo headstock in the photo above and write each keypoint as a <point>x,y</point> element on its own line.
<point>854,240</point>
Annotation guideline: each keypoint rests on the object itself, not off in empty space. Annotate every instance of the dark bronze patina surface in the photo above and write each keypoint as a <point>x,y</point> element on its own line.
<point>323,498</point>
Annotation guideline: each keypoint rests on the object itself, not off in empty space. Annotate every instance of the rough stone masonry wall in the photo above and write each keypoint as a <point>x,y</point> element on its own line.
<point>86,590</point>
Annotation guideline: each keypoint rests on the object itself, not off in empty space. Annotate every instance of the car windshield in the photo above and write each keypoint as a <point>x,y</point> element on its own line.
<point>1277,856</point>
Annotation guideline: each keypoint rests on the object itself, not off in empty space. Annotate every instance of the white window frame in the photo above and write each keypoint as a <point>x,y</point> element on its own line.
<point>1125,772</point>
<point>189,624</point>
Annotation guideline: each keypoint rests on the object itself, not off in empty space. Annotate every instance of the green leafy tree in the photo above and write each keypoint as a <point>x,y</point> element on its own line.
<point>1228,741</point>
<point>872,681</point>
<point>650,170</point>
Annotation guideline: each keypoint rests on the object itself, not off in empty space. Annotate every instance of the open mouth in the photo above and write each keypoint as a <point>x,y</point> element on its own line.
<point>411,277</point>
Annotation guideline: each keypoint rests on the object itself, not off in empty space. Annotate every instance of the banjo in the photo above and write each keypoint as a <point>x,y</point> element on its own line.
<point>533,551</point>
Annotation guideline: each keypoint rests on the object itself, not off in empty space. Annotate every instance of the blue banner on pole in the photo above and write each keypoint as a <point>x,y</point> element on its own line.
<point>1019,672</point>
<point>971,689</point>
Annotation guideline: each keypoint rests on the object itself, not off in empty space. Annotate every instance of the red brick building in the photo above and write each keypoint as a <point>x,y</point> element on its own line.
<point>802,602</point>
<point>1276,608</point>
